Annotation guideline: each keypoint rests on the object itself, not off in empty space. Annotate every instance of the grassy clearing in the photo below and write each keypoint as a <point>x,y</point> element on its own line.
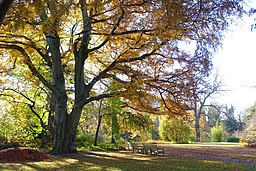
<point>124,161</point>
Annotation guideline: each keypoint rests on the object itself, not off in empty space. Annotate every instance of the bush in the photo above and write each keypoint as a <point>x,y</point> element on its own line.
<point>9,145</point>
<point>192,138</point>
<point>111,147</point>
<point>85,141</point>
<point>217,133</point>
<point>175,130</point>
<point>233,139</point>
<point>249,141</point>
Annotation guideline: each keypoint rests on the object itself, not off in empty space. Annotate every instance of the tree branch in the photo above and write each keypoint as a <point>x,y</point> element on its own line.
<point>31,66</point>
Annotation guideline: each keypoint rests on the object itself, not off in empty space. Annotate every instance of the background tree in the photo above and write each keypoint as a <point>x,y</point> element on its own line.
<point>213,114</point>
<point>201,90</point>
<point>75,48</point>
<point>230,122</point>
<point>175,129</point>
<point>249,132</point>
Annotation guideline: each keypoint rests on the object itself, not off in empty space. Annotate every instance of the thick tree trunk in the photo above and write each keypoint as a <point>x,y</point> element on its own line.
<point>65,131</point>
<point>61,143</point>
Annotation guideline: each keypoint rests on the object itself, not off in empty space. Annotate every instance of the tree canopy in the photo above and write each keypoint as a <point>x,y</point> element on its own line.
<point>86,50</point>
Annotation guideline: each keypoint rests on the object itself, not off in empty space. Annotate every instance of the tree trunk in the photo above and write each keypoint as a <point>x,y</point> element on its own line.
<point>98,126</point>
<point>61,137</point>
<point>197,122</point>
<point>97,131</point>
<point>115,128</point>
<point>197,128</point>
<point>50,109</point>
<point>65,130</point>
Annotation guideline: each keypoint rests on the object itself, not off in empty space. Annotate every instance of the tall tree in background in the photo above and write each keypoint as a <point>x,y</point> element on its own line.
<point>230,122</point>
<point>213,114</point>
<point>201,90</point>
<point>81,46</point>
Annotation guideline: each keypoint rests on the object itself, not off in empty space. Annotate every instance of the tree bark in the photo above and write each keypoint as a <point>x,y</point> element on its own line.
<point>98,126</point>
<point>50,109</point>
<point>197,122</point>
<point>4,7</point>
<point>197,127</point>
<point>61,142</point>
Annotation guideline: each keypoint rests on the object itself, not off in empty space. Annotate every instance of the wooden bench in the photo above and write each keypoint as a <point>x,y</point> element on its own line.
<point>137,148</point>
<point>156,150</point>
<point>150,149</point>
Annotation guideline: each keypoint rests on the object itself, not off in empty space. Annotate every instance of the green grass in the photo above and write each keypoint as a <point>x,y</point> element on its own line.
<point>124,161</point>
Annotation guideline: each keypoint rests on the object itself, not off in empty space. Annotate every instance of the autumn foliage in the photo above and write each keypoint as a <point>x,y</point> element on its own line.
<point>87,50</point>
<point>22,154</point>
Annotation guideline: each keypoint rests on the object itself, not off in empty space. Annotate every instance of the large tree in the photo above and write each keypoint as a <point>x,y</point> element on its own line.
<point>77,47</point>
<point>202,89</point>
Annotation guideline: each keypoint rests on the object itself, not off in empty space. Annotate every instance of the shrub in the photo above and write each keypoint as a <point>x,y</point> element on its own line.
<point>233,139</point>
<point>175,130</point>
<point>249,141</point>
<point>217,133</point>
<point>192,137</point>
<point>85,141</point>
<point>9,145</point>
<point>111,147</point>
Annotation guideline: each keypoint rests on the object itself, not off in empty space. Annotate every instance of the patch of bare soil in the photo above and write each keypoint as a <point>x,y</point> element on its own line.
<point>22,154</point>
<point>237,155</point>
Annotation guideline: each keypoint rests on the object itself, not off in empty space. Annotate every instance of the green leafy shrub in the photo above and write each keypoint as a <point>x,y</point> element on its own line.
<point>192,138</point>
<point>85,141</point>
<point>175,130</point>
<point>111,147</point>
<point>233,139</point>
<point>217,133</point>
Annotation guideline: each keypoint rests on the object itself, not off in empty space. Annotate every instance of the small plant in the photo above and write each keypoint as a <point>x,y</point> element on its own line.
<point>217,133</point>
<point>233,139</point>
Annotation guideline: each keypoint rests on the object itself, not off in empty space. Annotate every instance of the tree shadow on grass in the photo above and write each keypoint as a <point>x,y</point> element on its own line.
<point>122,161</point>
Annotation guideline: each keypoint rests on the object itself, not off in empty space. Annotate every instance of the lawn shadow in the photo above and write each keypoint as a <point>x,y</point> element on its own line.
<point>123,160</point>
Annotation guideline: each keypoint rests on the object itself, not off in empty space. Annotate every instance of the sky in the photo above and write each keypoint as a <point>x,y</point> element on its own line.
<point>236,65</point>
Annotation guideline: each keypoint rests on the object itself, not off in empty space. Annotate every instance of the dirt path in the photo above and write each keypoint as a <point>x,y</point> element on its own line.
<point>237,155</point>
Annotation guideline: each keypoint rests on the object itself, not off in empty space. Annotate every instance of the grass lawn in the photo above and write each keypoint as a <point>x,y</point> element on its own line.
<point>126,161</point>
